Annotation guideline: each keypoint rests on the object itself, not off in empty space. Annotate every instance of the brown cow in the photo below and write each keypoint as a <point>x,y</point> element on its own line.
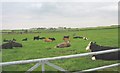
<point>63,45</point>
<point>48,40</point>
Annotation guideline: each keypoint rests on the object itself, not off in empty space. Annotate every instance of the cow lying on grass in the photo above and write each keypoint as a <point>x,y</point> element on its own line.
<point>75,37</point>
<point>36,38</point>
<point>49,39</point>
<point>41,38</point>
<point>6,40</point>
<point>63,45</point>
<point>10,45</point>
<point>25,39</point>
<point>93,47</point>
<point>13,39</point>
<point>9,40</point>
<point>52,39</point>
<point>80,37</point>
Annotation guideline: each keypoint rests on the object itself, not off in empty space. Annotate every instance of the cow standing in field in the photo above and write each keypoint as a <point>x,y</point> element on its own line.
<point>93,47</point>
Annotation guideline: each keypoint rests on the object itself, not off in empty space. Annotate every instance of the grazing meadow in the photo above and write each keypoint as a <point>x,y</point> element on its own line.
<point>36,49</point>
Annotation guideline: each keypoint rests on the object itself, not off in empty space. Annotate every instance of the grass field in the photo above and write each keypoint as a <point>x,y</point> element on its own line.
<point>40,49</point>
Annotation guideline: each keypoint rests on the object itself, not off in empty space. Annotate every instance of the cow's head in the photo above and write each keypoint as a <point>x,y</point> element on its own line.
<point>90,45</point>
<point>66,38</point>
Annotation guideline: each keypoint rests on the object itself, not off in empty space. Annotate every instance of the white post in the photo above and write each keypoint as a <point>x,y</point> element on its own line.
<point>43,67</point>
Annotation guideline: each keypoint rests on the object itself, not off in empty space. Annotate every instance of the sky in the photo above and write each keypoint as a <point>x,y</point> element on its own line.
<point>24,15</point>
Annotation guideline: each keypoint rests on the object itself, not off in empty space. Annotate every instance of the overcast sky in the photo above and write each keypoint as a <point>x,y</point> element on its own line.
<point>18,15</point>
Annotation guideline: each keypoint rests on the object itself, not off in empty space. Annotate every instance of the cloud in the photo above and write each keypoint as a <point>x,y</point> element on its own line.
<point>36,5</point>
<point>55,14</point>
<point>111,7</point>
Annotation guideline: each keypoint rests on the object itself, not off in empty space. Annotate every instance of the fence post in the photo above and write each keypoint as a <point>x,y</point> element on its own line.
<point>43,66</point>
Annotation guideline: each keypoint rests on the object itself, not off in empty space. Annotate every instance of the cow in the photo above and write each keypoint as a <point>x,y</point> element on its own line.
<point>10,45</point>
<point>36,38</point>
<point>15,44</point>
<point>75,37</point>
<point>53,39</point>
<point>4,40</point>
<point>63,45</point>
<point>66,38</point>
<point>25,39</point>
<point>14,39</point>
<point>93,47</point>
<point>6,46</point>
<point>80,37</point>
<point>48,40</point>
<point>42,38</point>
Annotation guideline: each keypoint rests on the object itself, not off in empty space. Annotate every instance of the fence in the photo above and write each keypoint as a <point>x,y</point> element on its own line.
<point>44,61</point>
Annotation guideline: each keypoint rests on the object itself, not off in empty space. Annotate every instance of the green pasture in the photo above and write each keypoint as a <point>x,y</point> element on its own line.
<point>39,49</point>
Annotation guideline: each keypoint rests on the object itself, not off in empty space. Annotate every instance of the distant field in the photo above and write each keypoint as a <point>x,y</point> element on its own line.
<point>40,49</point>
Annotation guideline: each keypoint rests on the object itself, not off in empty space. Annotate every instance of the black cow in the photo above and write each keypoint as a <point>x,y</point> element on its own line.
<point>25,39</point>
<point>80,37</point>
<point>15,44</point>
<point>66,37</point>
<point>6,40</point>
<point>42,38</point>
<point>6,46</point>
<point>9,40</point>
<point>93,47</point>
<point>36,38</point>
<point>14,39</point>
<point>53,39</point>
<point>10,45</point>
<point>75,37</point>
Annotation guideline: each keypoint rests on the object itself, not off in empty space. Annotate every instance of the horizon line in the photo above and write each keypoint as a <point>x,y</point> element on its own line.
<point>59,27</point>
